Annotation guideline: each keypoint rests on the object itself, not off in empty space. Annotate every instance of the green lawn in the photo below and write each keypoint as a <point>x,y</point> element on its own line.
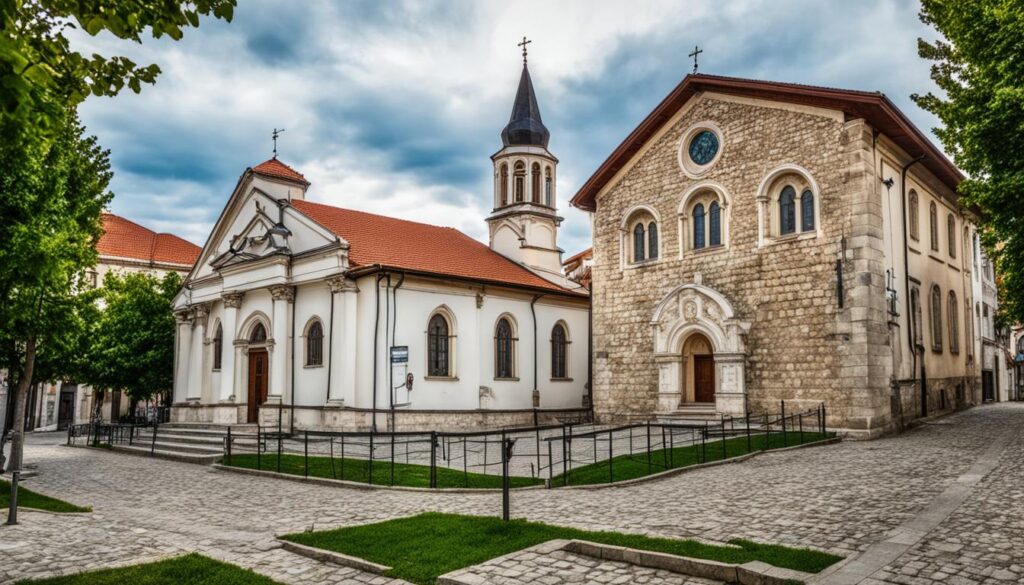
<point>636,465</point>
<point>406,474</point>
<point>30,499</point>
<point>420,548</point>
<point>190,569</point>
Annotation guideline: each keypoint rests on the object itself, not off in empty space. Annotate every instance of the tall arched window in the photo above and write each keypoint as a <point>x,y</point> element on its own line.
<point>698,226</point>
<point>652,240</point>
<point>807,211</point>
<point>549,186</point>
<point>315,344</point>
<point>914,214</point>
<point>519,182</point>
<point>438,355</point>
<point>935,307</point>
<point>259,334</point>
<point>218,347</point>
<point>535,183</point>
<point>559,347</point>
<point>787,210</point>
<point>714,224</point>
<point>933,223</point>
<point>953,314</point>
<point>951,234</point>
<point>504,184</point>
<point>504,349</point>
<point>638,243</point>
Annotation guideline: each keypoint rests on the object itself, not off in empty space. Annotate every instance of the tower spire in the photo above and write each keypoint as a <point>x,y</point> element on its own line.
<point>525,127</point>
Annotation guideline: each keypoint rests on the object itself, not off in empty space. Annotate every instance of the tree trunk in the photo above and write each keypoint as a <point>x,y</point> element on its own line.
<point>20,400</point>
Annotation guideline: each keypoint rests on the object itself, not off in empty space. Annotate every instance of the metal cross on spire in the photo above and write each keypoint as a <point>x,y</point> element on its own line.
<point>523,45</point>
<point>274,135</point>
<point>696,51</point>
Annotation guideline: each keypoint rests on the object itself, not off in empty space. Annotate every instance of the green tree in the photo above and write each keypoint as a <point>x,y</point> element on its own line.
<point>979,65</point>
<point>132,344</point>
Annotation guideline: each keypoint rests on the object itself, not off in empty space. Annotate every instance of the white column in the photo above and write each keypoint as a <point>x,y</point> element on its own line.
<point>232,301</point>
<point>183,339</point>
<point>338,338</point>
<point>195,369</point>
<point>283,297</point>
<point>349,349</point>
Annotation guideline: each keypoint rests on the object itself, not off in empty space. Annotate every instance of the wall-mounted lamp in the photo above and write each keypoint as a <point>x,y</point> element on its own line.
<point>888,183</point>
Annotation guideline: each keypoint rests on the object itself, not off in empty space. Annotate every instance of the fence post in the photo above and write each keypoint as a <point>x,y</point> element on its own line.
<point>784,443</point>
<point>551,465</point>
<point>565,463</point>
<point>152,447</point>
<point>227,454</point>
<point>433,459</point>
<point>823,418</point>
<point>767,432</point>
<point>611,452</point>
<point>392,454</point>
<point>279,447</point>
<point>536,434</point>
<point>259,447</point>
<point>131,437</point>
<point>465,461</point>
<point>506,454</point>
<point>71,428</point>
<point>747,419</point>
<point>703,444</point>
<point>800,420</point>
<point>369,462</point>
<point>664,448</point>
<point>305,452</point>
<point>725,455</point>
<point>649,468</point>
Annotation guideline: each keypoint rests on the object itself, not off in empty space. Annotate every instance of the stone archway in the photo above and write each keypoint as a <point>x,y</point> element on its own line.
<point>686,311</point>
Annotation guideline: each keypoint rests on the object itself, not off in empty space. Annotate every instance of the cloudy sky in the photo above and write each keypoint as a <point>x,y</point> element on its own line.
<point>395,107</point>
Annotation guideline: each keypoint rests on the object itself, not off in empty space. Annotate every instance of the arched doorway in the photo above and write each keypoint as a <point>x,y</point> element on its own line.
<point>698,369</point>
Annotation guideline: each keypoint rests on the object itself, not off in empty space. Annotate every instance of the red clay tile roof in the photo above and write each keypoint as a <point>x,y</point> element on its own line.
<point>126,239</point>
<point>279,170</point>
<point>408,245</point>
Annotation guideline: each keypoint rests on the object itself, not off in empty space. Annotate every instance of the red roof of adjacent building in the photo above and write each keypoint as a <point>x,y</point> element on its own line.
<point>277,169</point>
<point>126,239</point>
<point>874,107</point>
<point>418,247</point>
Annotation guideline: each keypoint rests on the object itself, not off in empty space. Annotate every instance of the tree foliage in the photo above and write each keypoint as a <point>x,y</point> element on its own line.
<point>979,65</point>
<point>41,75</point>
<point>131,346</point>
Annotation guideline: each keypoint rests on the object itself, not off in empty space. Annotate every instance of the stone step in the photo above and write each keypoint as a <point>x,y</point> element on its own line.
<point>194,437</point>
<point>243,427</point>
<point>199,458</point>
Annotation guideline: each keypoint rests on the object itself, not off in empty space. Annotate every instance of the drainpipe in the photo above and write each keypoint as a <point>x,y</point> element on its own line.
<point>291,411</point>
<point>394,326</point>
<point>376,346</point>
<point>906,275</point>
<point>533,312</point>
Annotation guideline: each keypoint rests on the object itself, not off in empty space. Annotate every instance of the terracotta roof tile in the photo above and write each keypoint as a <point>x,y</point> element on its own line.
<point>277,169</point>
<point>126,239</point>
<point>401,244</point>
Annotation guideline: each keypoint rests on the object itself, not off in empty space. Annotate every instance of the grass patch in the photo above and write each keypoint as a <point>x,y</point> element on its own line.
<point>405,474</point>
<point>30,499</point>
<point>625,467</point>
<point>192,569</point>
<point>421,548</point>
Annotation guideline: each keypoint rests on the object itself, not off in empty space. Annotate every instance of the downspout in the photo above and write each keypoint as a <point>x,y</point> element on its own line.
<point>391,369</point>
<point>911,318</point>
<point>291,411</point>
<point>590,350</point>
<point>376,346</point>
<point>533,312</point>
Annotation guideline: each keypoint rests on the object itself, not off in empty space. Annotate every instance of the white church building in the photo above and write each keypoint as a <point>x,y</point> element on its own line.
<point>327,318</point>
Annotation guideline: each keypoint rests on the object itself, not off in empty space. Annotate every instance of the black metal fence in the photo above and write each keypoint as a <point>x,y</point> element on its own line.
<point>552,455</point>
<point>96,434</point>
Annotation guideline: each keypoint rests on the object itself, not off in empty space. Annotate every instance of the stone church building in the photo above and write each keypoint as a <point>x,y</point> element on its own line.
<point>758,241</point>
<point>328,318</point>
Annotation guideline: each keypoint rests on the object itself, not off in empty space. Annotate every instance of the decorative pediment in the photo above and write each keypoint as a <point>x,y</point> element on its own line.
<point>696,307</point>
<point>261,237</point>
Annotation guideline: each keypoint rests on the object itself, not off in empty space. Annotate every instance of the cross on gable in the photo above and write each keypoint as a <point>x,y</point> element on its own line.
<point>523,45</point>
<point>696,51</point>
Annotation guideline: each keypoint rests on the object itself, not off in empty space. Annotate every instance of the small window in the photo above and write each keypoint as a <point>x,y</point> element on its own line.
<point>535,183</point>
<point>933,223</point>
<point>504,350</point>
<point>954,325</point>
<point>638,243</point>
<point>652,240</point>
<point>504,184</point>
<point>936,317</point>
<point>315,344</point>
<point>714,224</point>
<point>787,211</point>
<point>549,186</point>
<point>438,362</point>
<point>259,334</point>
<point>218,347</point>
<point>698,226</point>
<point>914,216</point>
<point>519,182</point>
<point>951,234</point>
<point>559,346</point>
<point>807,211</point>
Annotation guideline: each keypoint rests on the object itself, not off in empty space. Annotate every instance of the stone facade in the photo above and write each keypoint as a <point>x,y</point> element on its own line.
<point>800,317</point>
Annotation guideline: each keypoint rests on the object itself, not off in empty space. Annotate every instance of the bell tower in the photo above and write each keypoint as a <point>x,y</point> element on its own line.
<point>524,223</point>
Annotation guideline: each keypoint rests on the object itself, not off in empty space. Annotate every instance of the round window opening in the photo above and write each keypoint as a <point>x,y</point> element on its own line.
<point>704,147</point>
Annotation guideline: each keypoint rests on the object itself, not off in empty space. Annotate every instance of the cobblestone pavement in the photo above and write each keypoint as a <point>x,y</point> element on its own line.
<point>842,498</point>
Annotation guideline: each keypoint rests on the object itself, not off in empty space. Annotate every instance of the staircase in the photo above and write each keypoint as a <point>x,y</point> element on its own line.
<point>189,442</point>
<point>691,415</point>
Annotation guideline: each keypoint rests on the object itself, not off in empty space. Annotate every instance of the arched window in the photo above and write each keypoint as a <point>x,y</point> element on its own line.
<point>218,346</point>
<point>504,349</point>
<point>933,223</point>
<point>259,334</point>
<point>807,211</point>
<point>951,234</point>
<point>953,314</point>
<point>438,355</point>
<point>559,347</point>
<point>519,182</point>
<point>914,216</point>
<point>549,195</point>
<point>652,240</point>
<point>935,306</point>
<point>787,210</point>
<point>504,184</point>
<point>698,226</point>
<point>535,183</point>
<point>714,224</point>
<point>638,243</point>
<point>315,344</point>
